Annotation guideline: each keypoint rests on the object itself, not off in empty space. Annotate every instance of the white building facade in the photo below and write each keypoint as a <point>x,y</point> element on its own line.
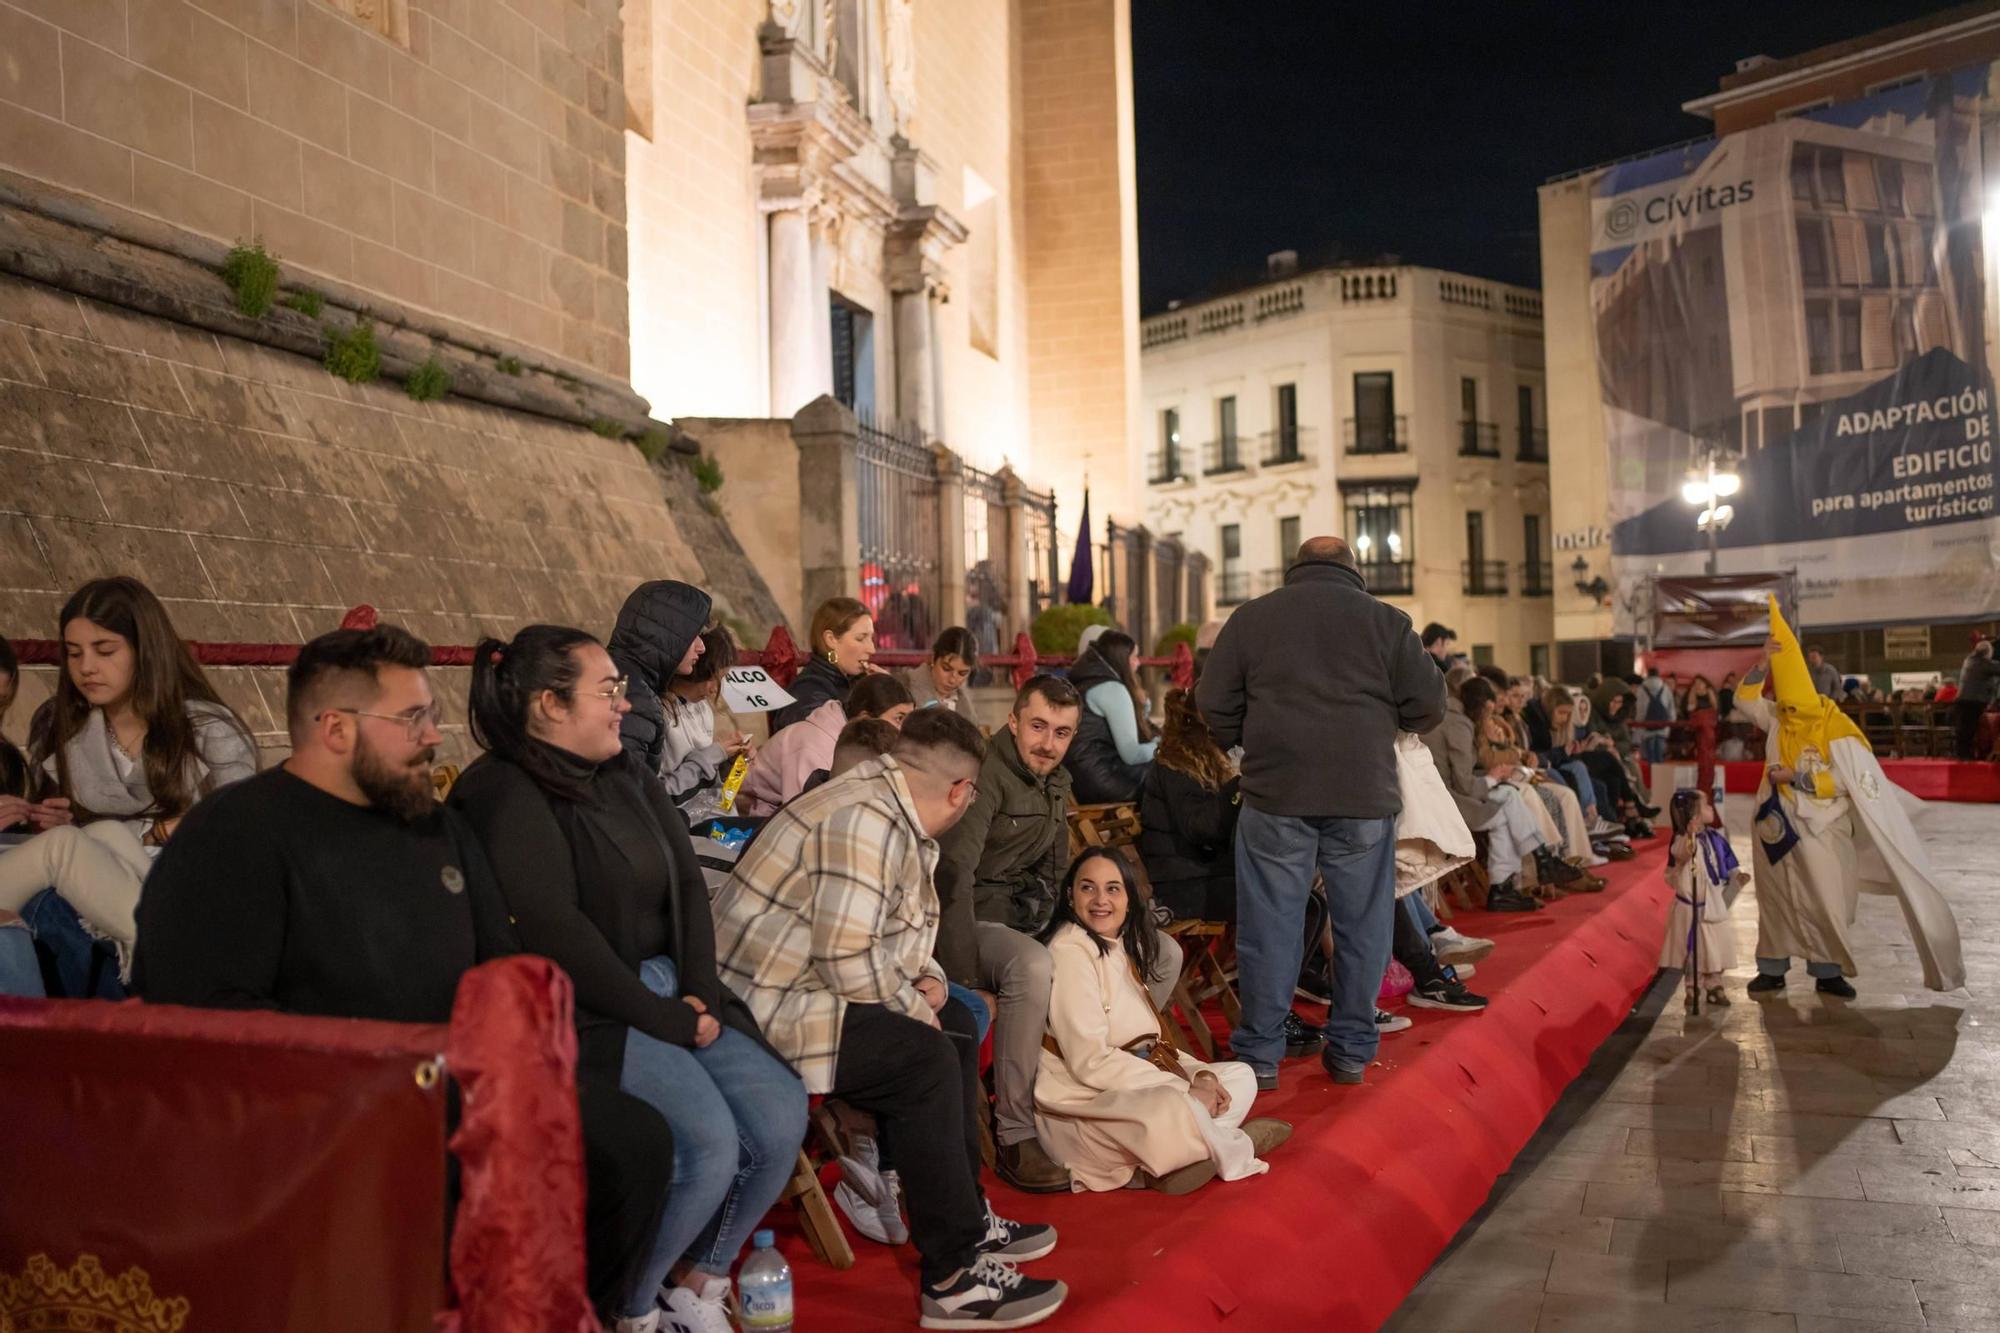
<point>1401,408</point>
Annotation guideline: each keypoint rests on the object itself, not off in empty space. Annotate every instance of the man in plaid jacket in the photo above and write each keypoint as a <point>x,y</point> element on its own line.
<point>826,930</point>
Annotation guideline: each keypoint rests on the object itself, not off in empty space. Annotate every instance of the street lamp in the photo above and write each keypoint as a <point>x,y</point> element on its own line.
<point>1713,480</point>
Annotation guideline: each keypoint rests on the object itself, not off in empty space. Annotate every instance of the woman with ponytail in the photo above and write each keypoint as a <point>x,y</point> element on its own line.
<point>597,871</point>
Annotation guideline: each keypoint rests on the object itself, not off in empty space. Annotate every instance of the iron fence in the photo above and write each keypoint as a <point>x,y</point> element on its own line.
<point>986,559</point>
<point>1041,549</point>
<point>896,480</point>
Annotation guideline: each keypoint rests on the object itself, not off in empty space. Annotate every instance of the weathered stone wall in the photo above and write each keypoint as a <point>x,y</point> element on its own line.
<point>468,159</point>
<point>261,497</point>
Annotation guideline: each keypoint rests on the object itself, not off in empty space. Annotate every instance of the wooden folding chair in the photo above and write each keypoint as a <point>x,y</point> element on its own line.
<point>1112,825</point>
<point>803,1191</point>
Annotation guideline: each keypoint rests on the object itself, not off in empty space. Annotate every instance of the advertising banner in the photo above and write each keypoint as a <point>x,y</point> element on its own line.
<point>1808,301</point>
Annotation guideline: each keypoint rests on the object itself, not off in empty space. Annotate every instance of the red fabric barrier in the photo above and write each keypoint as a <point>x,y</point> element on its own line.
<point>250,1170</point>
<point>1375,1181</point>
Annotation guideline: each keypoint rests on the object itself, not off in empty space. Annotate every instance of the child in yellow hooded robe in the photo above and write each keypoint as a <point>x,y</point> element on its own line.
<point>1830,825</point>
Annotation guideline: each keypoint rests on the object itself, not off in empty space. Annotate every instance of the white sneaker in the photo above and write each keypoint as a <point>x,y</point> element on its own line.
<point>648,1322</point>
<point>1592,861</point>
<point>1452,947</point>
<point>881,1221</point>
<point>704,1311</point>
<point>1609,831</point>
<point>1386,1022</point>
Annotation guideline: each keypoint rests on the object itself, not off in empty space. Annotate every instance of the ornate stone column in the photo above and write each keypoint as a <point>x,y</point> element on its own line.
<point>800,372</point>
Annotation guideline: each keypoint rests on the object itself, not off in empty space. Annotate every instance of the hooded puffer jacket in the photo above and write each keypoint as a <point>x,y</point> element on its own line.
<point>1098,774</point>
<point>655,626</point>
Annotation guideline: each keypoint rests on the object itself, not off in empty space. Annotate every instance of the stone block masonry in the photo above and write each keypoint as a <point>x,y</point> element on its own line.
<point>261,497</point>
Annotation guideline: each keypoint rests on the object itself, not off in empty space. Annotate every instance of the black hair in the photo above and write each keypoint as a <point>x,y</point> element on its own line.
<point>1475,696</point>
<point>870,734</point>
<point>956,642</point>
<point>1058,692</point>
<point>1495,676</point>
<point>717,656</point>
<point>1116,647</point>
<point>507,678</point>
<point>10,665</point>
<point>1436,633</point>
<point>345,652</point>
<point>875,694</point>
<point>1141,937</point>
<point>1684,809</point>
<point>939,729</point>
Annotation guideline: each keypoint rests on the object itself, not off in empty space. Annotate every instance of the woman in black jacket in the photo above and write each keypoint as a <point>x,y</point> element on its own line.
<point>1187,817</point>
<point>599,876</point>
<point>1113,748</point>
<point>841,641</point>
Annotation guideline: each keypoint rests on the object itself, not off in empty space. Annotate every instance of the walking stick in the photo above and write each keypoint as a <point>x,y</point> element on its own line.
<point>1692,975</point>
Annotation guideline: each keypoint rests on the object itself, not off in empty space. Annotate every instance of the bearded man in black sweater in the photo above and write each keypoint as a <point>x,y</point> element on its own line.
<point>336,885</point>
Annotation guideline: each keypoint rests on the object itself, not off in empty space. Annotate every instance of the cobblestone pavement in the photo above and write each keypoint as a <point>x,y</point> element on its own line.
<point>1786,1166</point>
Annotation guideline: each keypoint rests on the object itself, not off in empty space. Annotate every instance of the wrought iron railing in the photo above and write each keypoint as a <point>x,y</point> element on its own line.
<point>1538,579</point>
<point>1390,578</point>
<point>1222,456</point>
<point>1478,439</point>
<point>1165,466</point>
<point>1283,446</point>
<point>1532,445</point>
<point>1485,578</point>
<point>1378,435</point>
<point>1232,587</point>
<point>897,508</point>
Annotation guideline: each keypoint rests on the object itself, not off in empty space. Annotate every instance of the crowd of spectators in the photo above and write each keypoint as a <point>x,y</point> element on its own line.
<point>908,887</point>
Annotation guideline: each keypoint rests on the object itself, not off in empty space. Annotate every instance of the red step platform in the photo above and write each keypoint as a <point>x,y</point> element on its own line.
<point>1375,1181</point>
<point>1931,779</point>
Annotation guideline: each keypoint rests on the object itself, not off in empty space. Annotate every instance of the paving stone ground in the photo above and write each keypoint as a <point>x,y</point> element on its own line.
<point>1785,1166</point>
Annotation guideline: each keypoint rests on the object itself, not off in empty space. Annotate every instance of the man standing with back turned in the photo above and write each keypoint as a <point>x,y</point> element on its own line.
<point>1314,680</point>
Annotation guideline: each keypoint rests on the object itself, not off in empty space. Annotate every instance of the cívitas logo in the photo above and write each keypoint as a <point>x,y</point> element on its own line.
<point>1624,217</point>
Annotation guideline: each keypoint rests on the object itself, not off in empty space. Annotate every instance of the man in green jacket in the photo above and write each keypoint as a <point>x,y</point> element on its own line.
<point>999,871</point>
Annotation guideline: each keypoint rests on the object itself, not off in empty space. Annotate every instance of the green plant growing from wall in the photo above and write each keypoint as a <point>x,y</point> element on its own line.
<point>509,365</point>
<point>428,382</point>
<point>351,353</point>
<point>306,301</point>
<point>252,275</point>
<point>606,427</point>
<point>652,443</point>
<point>707,472</point>
<point>1057,628</point>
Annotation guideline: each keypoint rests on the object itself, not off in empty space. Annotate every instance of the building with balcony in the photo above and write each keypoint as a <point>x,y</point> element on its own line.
<point>1400,407</point>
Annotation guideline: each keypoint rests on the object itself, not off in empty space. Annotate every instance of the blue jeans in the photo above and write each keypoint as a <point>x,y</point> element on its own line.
<point>20,974</point>
<point>738,1116</point>
<point>1420,908</point>
<point>1653,746</point>
<point>58,929</point>
<point>982,1017</point>
<point>1276,856</point>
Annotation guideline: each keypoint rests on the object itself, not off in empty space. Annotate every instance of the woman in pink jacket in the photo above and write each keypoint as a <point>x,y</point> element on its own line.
<point>794,754</point>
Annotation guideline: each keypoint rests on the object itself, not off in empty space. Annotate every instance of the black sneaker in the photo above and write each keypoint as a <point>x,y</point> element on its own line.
<point>1506,896</point>
<point>1447,995</point>
<point>1765,984</point>
<point>1016,1242</point>
<point>1835,986</point>
<point>1553,869</point>
<point>1301,1040</point>
<point>992,1293</point>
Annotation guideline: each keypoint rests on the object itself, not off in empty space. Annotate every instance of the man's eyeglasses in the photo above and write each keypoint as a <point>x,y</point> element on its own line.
<point>416,721</point>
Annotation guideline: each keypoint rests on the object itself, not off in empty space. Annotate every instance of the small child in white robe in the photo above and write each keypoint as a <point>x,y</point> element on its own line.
<point>1702,868</point>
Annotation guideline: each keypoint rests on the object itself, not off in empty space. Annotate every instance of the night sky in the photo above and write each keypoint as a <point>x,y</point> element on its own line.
<point>1340,129</point>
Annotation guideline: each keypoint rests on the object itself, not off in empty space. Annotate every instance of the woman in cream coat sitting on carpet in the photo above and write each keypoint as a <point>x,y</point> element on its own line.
<point>1114,1102</point>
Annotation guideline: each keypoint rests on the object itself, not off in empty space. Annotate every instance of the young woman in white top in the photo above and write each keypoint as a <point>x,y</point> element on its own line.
<point>134,736</point>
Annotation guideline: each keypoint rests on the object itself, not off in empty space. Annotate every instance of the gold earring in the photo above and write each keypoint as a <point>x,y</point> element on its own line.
<point>831,659</point>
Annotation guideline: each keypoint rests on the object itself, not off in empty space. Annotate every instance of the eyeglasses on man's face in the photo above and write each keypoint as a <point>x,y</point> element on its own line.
<point>416,721</point>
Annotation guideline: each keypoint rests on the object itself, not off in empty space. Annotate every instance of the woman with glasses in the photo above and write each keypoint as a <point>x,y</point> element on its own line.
<point>134,736</point>
<point>597,871</point>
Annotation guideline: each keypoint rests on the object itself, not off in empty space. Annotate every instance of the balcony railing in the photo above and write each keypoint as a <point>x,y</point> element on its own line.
<point>1478,439</point>
<point>1232,587</point>
<point>1390,578</point>
<point>1166,466</point>
<point>1221,457</point>
<point>1283,446</point>
<point>1533,445</point>
<point>1485,578</point>
<point>1378,435</point>
<point>1538,579</point>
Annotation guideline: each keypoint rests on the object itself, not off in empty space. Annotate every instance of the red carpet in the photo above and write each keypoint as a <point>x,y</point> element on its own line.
<point>1374,1183</point>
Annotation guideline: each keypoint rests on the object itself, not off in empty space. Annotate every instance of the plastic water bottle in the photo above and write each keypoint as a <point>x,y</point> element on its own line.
<point>764,1288</point>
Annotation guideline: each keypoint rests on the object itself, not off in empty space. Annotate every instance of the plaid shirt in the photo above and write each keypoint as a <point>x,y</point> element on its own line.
<point>831,906</point>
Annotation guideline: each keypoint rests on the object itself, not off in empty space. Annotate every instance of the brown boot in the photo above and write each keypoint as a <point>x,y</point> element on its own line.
<point>1027,1168</point>
<point>1267,1134</point>
<point>1185,1180</point>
